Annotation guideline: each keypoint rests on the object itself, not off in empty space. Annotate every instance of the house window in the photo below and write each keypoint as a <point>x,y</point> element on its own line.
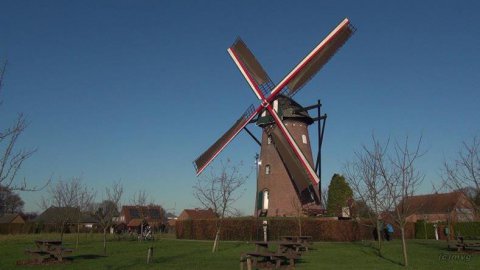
<point>267,169</point>
<point>304,139</point>
<point>269,139</point>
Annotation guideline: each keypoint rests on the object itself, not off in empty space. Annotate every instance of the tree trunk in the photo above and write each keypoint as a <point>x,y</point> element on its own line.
<point>404,247</point>
<point>62,229</point>
<point>215,243</point>
<point>105,241</point>
<point>379,238</point>
<point>78,234</point>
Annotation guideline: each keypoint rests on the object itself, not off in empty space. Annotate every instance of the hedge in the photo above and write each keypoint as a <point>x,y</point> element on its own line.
<point>250,229</point>
<point>467,229</point>
<point>33,227</point>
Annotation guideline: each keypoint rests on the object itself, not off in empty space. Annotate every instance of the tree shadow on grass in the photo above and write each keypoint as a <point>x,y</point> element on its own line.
<point>231,246</point>
<point>370,249</point>
<point>436,247</point>
<point>86,257</point>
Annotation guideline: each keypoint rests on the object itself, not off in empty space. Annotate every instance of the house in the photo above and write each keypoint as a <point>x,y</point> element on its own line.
<point>11,219</point>
<point>440,207</point>
<point>56,215</point>
<point>134,215</point>
<point>67,215</point>
<point>197,214</point>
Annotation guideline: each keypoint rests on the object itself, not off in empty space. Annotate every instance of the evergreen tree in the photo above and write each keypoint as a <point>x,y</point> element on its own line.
<point>339,192</point>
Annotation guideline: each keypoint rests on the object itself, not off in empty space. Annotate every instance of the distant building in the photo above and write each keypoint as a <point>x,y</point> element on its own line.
<point>440,207</point>
<point>11,219</point>
<point>133,215</point>
<point>69,215</point>
<point>197,214</point>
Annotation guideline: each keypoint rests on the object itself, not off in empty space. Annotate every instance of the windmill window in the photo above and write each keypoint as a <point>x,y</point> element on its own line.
<point>269,140</point>
<point>265,200</point>
<point>267,169</point>
<point>304,139</point>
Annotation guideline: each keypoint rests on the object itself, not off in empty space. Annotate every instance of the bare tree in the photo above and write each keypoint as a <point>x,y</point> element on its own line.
<point>219,191</point>
<point>62,196</point>
<point>299,213</point>
<point>11,159</point>
<point>463,174</point>
<point>139,198</point>
<point>324,197</point>
<point>384,180</point>
<point>108,209</point>
<point>401,179</point>
<point>365,178</point>
<point>85,196</point>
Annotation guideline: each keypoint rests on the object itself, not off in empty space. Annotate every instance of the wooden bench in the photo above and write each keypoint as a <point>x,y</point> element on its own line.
<point>304,241</point>
<point>266,260</point>
<point>37,255</point>
<point>463,246</point>
<point>48,249</point>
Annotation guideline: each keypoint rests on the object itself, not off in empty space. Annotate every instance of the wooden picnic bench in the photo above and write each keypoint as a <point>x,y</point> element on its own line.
<point>267,260</point>
<point>463,245</point>
<point>285,255</point>
<point>48,249</point>
<point>304,241</point>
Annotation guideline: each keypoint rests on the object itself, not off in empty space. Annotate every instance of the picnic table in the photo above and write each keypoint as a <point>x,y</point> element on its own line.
<point>304,241</point>
<point>261,246</point>
<point>286,253</point>
<point>463,245</point>
<point>48,250</point>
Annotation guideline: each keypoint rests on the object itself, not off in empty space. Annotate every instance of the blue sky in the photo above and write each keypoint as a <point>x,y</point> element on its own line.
<point>136,90</point>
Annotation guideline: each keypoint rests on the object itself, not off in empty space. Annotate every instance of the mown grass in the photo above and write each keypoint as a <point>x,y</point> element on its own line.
<point>170,253</point>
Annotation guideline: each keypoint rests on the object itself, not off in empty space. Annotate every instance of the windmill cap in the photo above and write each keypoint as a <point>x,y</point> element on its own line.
<point>287,108</point>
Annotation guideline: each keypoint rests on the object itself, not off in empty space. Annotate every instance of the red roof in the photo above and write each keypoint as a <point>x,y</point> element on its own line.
<point>197,214</point>
<point>435,203</point>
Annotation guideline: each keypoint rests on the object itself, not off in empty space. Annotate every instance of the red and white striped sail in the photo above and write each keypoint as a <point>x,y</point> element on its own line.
<point>259,81</point>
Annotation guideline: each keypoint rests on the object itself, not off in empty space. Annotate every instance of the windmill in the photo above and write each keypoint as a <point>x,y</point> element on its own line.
<point>290,178</point>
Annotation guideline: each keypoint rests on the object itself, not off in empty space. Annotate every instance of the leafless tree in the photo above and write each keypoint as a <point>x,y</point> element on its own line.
<point>108,209</point>
<point>364,177</point>
<point>324,197</point>
<point>139,198</point>
<point>11,159</point>
<point>463,174</point>
<point>85,196</point>
<point>219,191</point>
<point>384,180</point>
<point>299,213</point>
<point>402,178</point>
<point>62,195</point>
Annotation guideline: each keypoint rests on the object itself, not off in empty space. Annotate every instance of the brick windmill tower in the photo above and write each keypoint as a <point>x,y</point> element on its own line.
<point>287,176</point>
<point>280,189</point>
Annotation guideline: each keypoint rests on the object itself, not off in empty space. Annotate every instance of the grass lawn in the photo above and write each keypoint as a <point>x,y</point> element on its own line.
<point>170,253</point>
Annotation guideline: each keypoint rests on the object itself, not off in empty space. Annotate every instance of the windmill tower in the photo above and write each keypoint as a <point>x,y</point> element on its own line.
<point>286,176</point>
<point>277,192</point>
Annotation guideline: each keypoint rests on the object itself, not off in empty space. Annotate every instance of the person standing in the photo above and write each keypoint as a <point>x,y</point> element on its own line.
<point>388,231</point>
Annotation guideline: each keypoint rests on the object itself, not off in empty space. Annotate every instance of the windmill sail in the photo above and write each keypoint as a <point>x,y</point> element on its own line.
<point>250,65</point>
<point>321,55</point>
<point>204,159</point>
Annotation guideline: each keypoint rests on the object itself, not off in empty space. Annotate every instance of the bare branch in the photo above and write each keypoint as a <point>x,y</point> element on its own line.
<point>463,174</point>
